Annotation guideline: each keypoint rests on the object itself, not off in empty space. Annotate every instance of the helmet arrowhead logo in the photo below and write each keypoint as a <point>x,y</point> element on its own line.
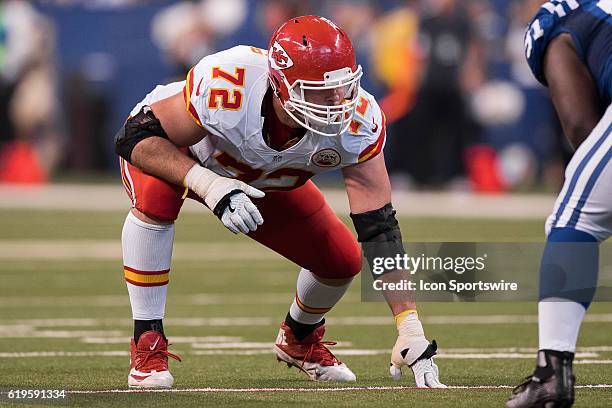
<point>278,57</point>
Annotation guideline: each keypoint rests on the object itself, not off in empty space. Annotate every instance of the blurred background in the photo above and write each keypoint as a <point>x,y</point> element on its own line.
<point>474,150</point>
<point>463,109</point>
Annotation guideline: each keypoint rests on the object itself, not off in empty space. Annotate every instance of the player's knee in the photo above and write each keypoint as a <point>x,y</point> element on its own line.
<point>151,197</point>
<point>353,259</point>
<point>163,210</point>
<point>570,235</point>
<point>152,217</point>
<point>584,232</point>
<point>344,260</point>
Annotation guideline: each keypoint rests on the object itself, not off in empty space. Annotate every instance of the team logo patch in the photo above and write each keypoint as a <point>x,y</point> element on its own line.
<point>278,57</point>
<point>326,158</point>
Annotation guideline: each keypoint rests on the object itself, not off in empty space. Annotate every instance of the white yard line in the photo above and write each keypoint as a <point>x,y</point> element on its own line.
<point>25,332</point>
<point>304,390</point>
<point>267,321</point>
<point>175,340</point>
<point>198,299</point>
<point>378,352</point>
<point>251,345</point>
<point>418,204</point>
<point>593,349</point>
<point>111,250</point>
<point>582,358</point>
<point>30,354</point>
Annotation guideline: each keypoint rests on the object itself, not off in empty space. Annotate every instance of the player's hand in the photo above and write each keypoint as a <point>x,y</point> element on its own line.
<point>227,198</point>
<point>418,355</point>
<point>238,213</point>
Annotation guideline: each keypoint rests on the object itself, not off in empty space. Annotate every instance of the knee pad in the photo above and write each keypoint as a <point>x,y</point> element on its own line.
<point>137,128</point>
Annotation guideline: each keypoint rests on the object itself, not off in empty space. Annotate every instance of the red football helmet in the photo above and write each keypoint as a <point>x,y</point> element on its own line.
<point>312,68</point>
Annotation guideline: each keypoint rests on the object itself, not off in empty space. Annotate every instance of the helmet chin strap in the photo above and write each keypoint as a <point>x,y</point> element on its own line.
<point>309,115</point>
<point>290,110</point>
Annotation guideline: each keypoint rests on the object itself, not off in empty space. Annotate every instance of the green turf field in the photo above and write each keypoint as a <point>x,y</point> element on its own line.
<point>65,321</point>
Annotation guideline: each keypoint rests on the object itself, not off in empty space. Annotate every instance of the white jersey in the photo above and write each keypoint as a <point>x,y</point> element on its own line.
<point>224,94</point>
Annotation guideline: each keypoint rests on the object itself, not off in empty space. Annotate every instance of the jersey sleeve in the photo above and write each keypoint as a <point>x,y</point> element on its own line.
<point>217,87</point>
<point>366,136</point>
<point>193,99</point>
<point>543,28</point>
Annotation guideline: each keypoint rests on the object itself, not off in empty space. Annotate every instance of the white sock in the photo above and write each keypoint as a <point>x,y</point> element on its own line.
<point>559,324</point>
<point>313,299</point>
<point>147,251</point>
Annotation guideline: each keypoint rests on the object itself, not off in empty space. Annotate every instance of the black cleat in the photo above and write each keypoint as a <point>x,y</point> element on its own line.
<point>550,386</point>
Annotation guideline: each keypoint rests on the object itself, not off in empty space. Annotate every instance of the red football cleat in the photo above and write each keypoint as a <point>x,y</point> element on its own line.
<point>311,356</point>
<point>149,362</point>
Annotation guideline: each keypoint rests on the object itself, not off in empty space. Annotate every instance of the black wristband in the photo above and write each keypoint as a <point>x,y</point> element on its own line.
<point>224,203</point>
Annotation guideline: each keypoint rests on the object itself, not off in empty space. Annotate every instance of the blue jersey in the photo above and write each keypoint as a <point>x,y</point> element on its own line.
<point>589,22</point>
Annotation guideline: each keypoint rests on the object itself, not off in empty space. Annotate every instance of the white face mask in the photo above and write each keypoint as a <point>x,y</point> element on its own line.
<point>325,107</point>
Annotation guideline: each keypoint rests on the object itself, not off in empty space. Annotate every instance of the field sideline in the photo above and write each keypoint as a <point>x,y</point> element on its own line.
<point>65,317</point>
<point>414,204</point>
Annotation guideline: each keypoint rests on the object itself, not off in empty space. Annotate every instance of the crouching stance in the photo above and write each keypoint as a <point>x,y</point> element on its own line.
<point>568,48</point>
<point>243,134</point>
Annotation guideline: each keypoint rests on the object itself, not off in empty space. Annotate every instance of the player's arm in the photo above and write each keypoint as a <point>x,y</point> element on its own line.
<point>158,154</point>
<point>369,193</point>
<point>150,139</point>
<point>572,89</point>
<point>367,185</point>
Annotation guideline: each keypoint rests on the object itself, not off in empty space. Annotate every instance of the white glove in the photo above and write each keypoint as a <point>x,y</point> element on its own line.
<point>241,215</point>
<point>413,350</point>
<point>426,373</point>
<point>227,198</point>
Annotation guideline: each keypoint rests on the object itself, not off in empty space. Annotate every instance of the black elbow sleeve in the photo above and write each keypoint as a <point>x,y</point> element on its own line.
<point>137,128</point>
<point>379,233</point>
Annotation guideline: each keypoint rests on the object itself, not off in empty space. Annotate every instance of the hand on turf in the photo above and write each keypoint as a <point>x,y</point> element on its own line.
<point>418,355</point>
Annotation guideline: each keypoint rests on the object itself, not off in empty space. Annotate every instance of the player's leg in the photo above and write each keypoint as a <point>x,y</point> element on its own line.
<point>147,239</point>
<point>302,227</point>
<point>582,217</point>
<point>314,297</point>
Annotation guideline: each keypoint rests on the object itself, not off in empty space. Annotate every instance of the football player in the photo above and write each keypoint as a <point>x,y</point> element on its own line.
<point>243,134</point>
<point>568,48</point>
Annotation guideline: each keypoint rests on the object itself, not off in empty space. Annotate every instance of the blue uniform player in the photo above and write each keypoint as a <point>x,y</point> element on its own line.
<point>589,25</point>
<point>568,45</point>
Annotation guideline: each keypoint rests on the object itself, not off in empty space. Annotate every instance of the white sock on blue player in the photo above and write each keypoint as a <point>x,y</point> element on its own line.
<point>559,324</point>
